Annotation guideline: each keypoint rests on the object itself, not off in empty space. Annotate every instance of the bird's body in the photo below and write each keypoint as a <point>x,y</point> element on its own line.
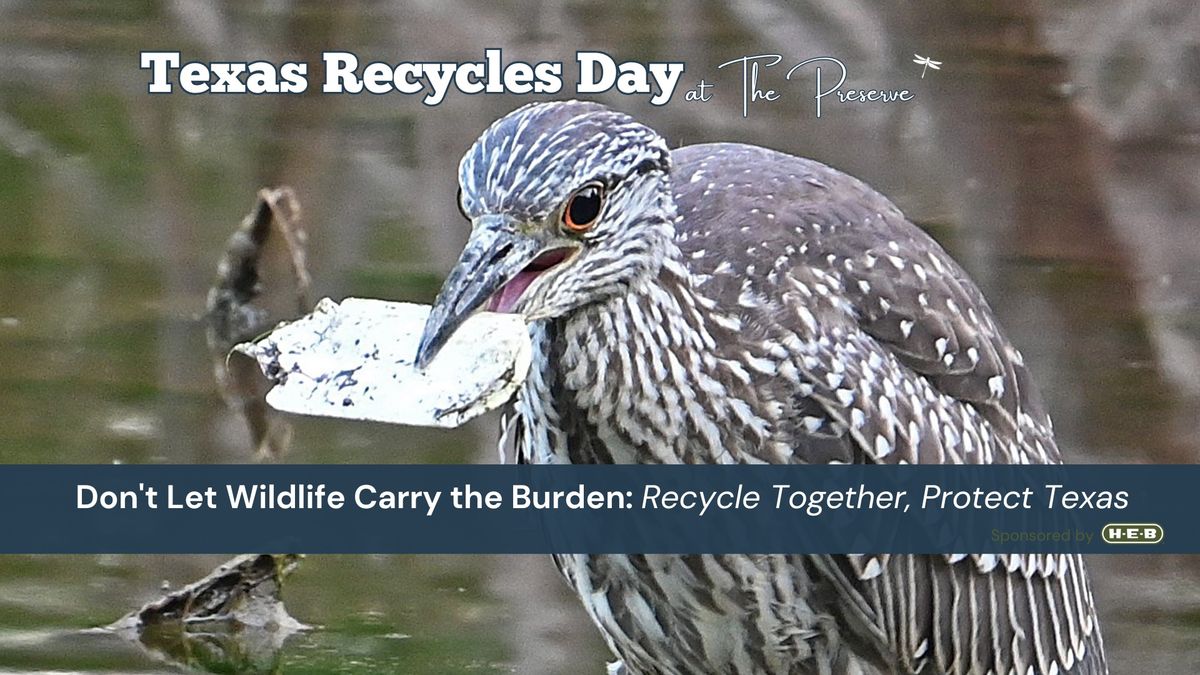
<point>764,308</point>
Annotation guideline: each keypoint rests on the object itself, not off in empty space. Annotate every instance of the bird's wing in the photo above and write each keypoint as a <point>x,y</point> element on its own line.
<point>933,615</point>
<point>874,299</point>
<point>899,360</point>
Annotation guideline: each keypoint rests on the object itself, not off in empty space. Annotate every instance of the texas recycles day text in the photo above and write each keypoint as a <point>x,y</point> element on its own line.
<point>344,74</point>
<point>309,496</point>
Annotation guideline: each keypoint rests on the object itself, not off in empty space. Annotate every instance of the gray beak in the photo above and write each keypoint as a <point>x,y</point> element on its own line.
<point>494,254</point>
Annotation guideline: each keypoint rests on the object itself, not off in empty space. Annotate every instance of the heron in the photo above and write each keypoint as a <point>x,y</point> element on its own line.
<point>727,303</point>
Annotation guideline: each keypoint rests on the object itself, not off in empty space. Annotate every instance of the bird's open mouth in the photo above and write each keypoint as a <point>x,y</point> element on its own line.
<point>506,298</point>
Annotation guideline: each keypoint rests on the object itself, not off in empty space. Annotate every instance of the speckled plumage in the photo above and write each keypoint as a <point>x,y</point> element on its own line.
<point>737,304</point>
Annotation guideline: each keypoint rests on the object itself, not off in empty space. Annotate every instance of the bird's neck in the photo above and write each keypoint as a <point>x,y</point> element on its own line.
<point>642,373</point>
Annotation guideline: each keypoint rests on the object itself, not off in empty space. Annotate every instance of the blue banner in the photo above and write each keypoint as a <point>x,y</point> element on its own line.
<point>598,509</point>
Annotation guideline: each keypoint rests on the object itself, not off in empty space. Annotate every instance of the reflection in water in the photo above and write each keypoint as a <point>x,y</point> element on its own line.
<point>1055,154</point>
<point>232,620</point>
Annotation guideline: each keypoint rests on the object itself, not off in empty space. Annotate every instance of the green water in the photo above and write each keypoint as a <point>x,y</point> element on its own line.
<point>1066,189</point>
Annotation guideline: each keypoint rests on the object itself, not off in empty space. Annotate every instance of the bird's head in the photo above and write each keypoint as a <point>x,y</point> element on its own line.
<point>569,203</point>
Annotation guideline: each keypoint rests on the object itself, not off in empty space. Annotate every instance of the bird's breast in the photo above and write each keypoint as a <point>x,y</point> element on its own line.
<point>628,381</point>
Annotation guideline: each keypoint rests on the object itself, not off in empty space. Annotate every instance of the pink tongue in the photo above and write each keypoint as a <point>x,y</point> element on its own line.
<point>506,298</point>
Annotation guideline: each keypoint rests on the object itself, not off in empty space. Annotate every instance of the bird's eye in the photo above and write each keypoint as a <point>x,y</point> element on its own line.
<point>583,208</point>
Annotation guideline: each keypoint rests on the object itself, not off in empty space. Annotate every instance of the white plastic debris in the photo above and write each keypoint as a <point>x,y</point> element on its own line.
<point>355,360</point>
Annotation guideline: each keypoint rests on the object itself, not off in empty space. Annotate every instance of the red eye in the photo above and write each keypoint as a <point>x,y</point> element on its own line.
<point>583,208</point>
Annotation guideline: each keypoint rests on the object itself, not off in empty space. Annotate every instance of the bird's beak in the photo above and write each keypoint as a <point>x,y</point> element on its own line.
<point>495,253</point>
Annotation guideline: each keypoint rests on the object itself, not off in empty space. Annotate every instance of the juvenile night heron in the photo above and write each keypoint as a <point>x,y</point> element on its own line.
<point>728,303</point>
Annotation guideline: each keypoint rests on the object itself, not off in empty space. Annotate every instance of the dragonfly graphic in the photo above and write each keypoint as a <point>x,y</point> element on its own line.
<point>927,63</point>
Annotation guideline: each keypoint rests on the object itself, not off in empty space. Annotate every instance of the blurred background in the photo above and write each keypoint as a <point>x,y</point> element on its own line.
<point>1056,154</point>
